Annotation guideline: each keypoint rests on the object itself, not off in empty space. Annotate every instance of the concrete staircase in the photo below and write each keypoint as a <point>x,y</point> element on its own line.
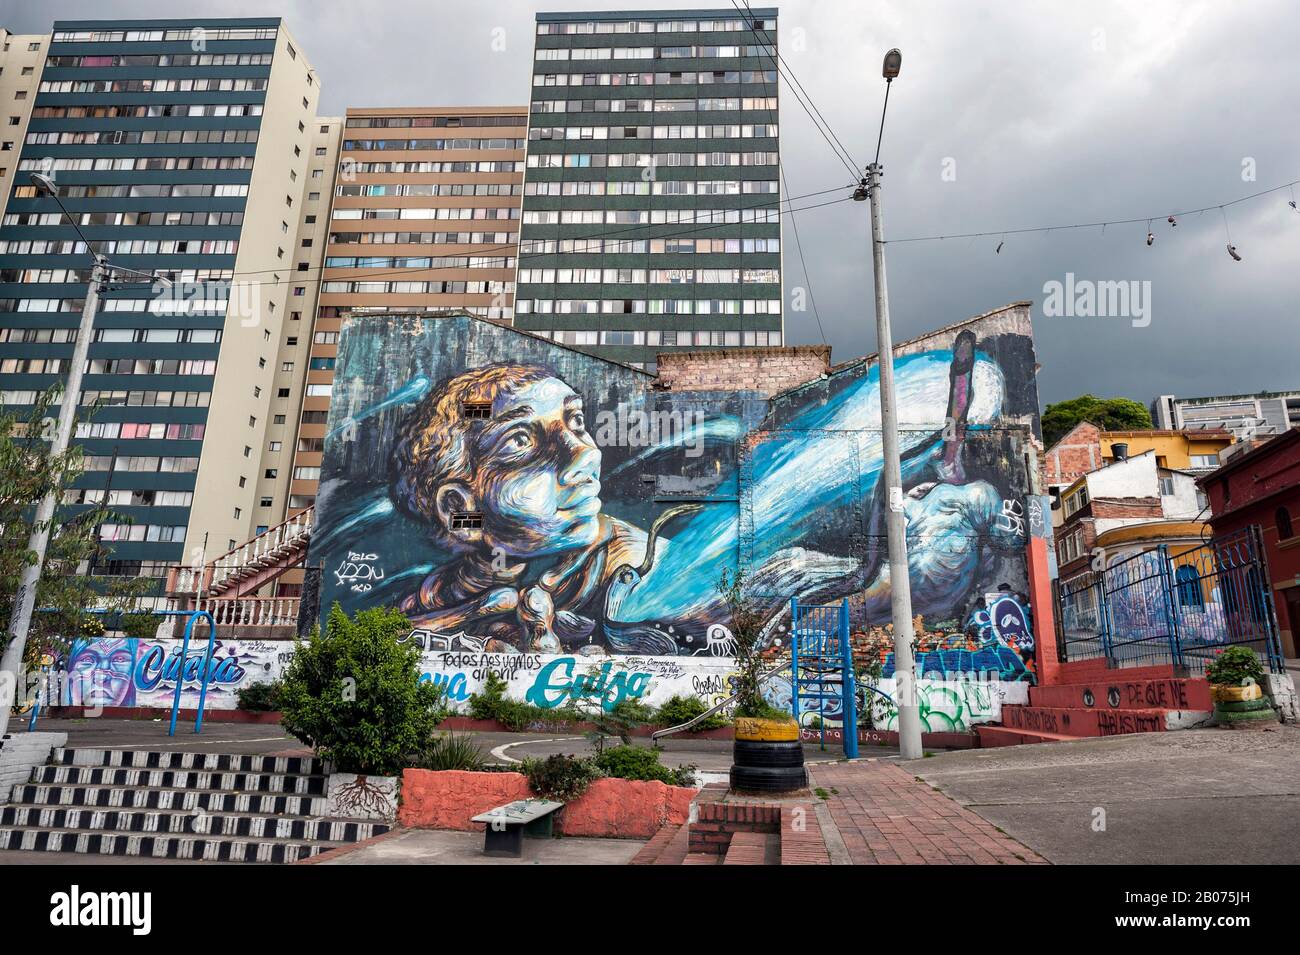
<point>1101,702</point>
<point>170,805</point>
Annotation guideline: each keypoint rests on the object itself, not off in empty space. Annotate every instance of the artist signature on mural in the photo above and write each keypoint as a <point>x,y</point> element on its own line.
<point>359,570</point>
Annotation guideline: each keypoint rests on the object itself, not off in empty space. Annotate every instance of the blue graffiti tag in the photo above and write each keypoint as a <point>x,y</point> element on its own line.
<point>553,687</point>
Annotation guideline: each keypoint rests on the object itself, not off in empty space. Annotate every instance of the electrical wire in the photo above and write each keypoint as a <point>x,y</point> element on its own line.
<point>1093,225</point>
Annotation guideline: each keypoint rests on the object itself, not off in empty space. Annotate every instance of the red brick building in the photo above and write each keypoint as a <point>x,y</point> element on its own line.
<point>1262,487</point>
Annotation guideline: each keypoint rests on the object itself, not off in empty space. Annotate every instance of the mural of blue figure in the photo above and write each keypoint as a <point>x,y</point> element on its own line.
<point>508,523</point>
<point>515,494</point>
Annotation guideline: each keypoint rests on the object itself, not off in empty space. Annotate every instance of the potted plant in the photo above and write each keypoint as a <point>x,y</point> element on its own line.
<point>767,755</point>
<point>1235,675</point>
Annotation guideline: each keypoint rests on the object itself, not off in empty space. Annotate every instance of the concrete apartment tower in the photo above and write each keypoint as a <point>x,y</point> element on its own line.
<point>425,217</point>
<point>20,72</point>
<point>652,192</point>
<point>184,147</point>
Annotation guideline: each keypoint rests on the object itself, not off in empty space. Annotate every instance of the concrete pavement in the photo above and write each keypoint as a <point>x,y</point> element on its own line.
<point>445,847</point>
<point>1193,796</point>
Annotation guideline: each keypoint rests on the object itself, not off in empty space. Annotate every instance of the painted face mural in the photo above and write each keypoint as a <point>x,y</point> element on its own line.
<point>100,672</point>
<point>530,498</point>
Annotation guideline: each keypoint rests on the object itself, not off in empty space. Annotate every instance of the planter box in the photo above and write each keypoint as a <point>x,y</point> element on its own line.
<point>610,808</point>
<point>570,729</point>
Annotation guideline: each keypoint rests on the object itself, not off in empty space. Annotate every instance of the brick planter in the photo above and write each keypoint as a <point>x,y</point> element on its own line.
<point>610,808</point>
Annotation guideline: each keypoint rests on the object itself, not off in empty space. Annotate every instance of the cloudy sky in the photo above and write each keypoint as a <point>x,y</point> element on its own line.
<point>1008,115</point>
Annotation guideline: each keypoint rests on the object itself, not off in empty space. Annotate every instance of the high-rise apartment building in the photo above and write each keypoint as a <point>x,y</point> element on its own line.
<point>20,71</point>
<point>651,210</point>
<point>425,217</point>
<point>184,148</point>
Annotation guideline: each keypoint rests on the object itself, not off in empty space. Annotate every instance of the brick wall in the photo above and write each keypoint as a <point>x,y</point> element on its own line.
<point>1075,454</point>
<point>1128,507</point>
<point>767,370</point>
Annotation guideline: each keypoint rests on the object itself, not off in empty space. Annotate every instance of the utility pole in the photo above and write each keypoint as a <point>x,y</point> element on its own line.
<point>20,621</point>
<point>891,472</point>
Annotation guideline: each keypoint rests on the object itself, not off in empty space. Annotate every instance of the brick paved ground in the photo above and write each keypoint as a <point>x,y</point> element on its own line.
<point>886,816</point>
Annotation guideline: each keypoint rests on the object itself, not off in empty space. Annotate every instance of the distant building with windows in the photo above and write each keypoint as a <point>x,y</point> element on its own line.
<point>651,209</point>
<point>1245,416</point>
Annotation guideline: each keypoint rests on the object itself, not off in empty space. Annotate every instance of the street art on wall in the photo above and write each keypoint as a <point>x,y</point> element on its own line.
<point>518,498</point>
<point>128,671</point>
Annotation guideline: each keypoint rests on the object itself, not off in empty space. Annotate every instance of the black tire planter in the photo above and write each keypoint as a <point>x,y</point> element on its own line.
<point>769,779</point>
<point>767,753</point>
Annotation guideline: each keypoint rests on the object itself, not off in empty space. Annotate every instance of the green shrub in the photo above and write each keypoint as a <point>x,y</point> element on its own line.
<point>261,697</point>
<point>493,704</point>
<point>633,712</point>
<point>763,710</point>
<point>355,696</point>
<point>561,777</point>
<point>641,763</point>
<point>448,751</point>
<point>1235,666</point>
<point>682,709</point>
<point>140,625</point>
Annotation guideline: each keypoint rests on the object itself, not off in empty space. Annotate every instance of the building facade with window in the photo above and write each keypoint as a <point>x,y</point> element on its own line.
<point>424,217</point>
<point>1261,487</point>
<point>182,148</point>
<point>21,57</point>
<point>1127,506</point>
<point>1245,416</point>
<point>651,207</point>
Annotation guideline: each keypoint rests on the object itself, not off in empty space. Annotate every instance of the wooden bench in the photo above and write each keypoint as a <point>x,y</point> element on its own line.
<point>508,824</point>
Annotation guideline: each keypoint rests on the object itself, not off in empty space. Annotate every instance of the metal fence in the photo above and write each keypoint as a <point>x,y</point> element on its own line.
<point>1180,606</point>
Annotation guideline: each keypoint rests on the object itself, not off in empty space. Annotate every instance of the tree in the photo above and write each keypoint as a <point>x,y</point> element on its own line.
<point>746,623</point>
<point>1109,414</point>
<point>65,593</point>
<point>354,693</point>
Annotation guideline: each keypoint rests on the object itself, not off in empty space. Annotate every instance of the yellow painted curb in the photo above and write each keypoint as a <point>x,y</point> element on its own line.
<point>769,731</point>
<point>1236,694</point>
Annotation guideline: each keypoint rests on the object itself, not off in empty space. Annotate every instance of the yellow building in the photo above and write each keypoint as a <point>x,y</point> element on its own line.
<point>1194,451</point>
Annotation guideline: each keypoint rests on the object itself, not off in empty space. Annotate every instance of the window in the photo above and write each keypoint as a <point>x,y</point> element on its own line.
<point>264,502</point>
<point>1283,518</point>
<point>1166,486</point>
<point>476,410</point>
<point>1189,587</point>
<point>466,520</point>
<point>274,446</point>
<point>271,472</point>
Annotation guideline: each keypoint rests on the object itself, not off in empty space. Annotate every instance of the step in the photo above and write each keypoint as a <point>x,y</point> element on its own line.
<point>1080,721</point>
<point>126,797</point>
<point>307,829</point>
<point>1115,691</point>
<point>753,848</point>
<point>652,850</point>
<point>149,759</point>
<point>287,783</point>
<point>702,858</point>
<point>993,736</point>
<point>206,848</point>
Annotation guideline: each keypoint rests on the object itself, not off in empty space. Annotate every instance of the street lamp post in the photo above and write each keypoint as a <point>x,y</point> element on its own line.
<point>20,619</point>
<point>900,586</point>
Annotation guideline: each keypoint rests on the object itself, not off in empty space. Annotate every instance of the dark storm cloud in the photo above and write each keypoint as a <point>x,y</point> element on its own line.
<point>1048,113</point>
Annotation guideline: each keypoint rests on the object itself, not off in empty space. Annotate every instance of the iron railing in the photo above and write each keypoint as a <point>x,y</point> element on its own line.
<point>1179,606</point>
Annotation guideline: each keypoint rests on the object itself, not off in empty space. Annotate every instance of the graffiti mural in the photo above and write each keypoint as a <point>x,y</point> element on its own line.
<point>132,672</point>
<point>517,498</point>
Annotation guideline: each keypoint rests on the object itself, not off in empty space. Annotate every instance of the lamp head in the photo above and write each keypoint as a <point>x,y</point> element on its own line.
<point>893,63</point>
<point>44,184</point>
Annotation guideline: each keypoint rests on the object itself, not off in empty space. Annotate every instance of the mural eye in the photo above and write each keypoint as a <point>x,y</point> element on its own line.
<point>578,421</point>
<point>518,441</point>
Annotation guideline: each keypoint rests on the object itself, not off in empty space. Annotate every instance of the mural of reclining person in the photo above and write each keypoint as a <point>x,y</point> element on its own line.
<point>514,493</point>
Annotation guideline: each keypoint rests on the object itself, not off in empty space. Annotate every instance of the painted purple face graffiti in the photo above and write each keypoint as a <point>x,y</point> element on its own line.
<point>538,472</point>
<point>100,673</point>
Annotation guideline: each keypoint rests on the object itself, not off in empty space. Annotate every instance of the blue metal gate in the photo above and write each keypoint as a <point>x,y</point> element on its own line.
<point>821,661</point>
<point>1183,607</point>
